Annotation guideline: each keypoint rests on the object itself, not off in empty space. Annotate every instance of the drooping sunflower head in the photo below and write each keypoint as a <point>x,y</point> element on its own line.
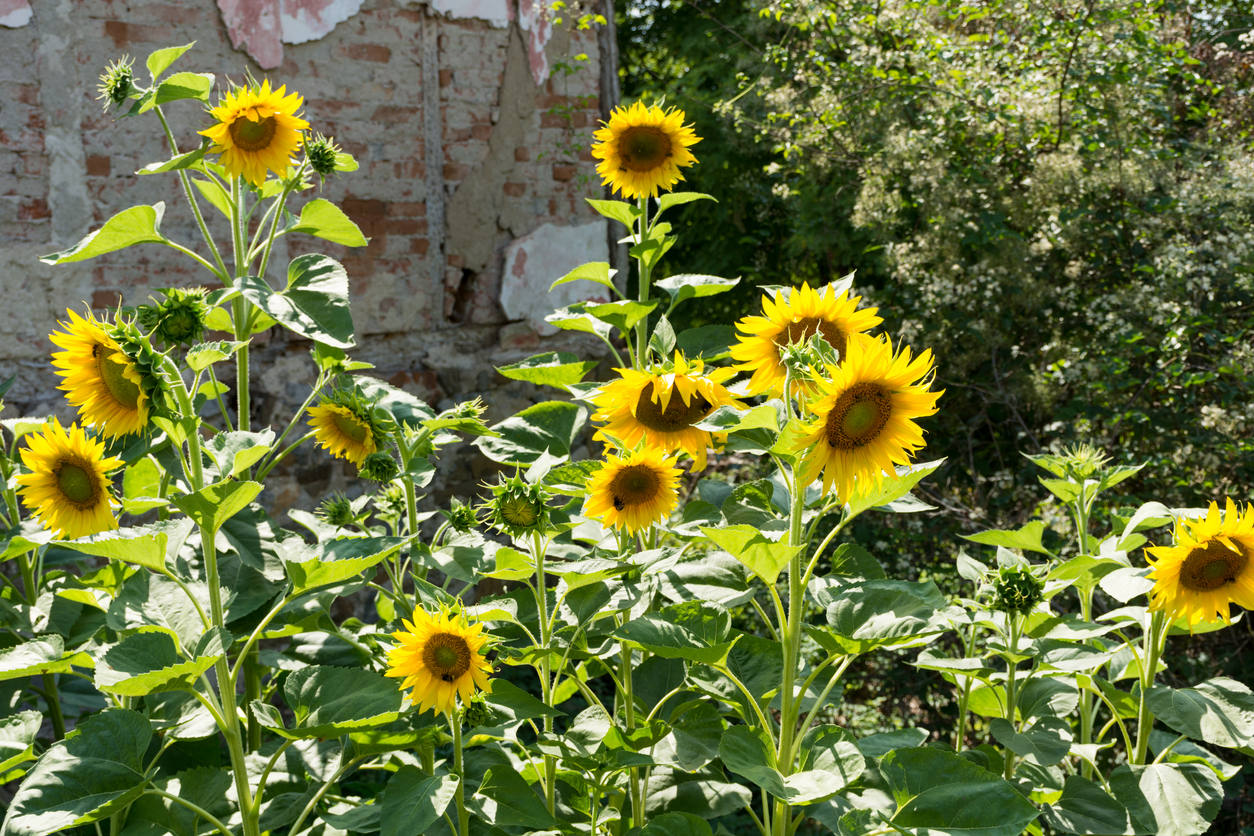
<point>100,379</point>
<point>633,491</point>
<point>865,418</point>
<point>1210,567</point>
<point>177,319</point>
<point>792,318</point>
<point>662,407</point>
<point>257,130</point>
<point>440,657</point>
<point>518,508</point>
<point>344,423</point>
<point>642,149</point>
<point>68,486</point>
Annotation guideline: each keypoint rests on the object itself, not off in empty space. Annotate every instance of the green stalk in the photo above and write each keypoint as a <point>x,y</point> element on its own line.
<point>1012,698</point>
<point>222,273</point>
<point>1154,641</point>
<point>463,818</point>
<point>964,698</point>
<point>629,717</point>
<point>546,683</point>
<point>54,706</point>
<point>642,271</point>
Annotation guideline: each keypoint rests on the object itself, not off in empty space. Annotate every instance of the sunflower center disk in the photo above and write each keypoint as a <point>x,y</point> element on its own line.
<point>799,332</point>
<point>677,415</point>
<point>635,485</point>
<point>352,428</point>
<point>447,656</point>
<point>858,416</point>
<point>1212,567</point>
<point>253,136</point>
<point>76,483</point>
<point>518,512</point>
<point>113,373</point>
<point>644,149</point>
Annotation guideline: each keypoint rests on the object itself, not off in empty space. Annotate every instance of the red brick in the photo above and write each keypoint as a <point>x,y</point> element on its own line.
<point>481,132</point>
<point>98,166</point>
<point>446,78</point>
<point>394,114</point>
<point>175,14</point>
<point>419,245</point>
<point>33,209</point>
<point>106,299</point>
<point>522,154</point>
<point>124,34</point>
<point>370,52</point>
<point>403,209</point>
<point>356,207</point>
<point>404,226</point>
<point>455,172</point>
<point>28,94</point>
<point>552,120</point>
<point>457,261</point>
<point>562,173</point>
<point>515,189</point>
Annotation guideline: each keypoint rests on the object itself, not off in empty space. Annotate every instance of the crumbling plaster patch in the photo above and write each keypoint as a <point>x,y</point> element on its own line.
<point>14,13</point>
<point>533,262</point>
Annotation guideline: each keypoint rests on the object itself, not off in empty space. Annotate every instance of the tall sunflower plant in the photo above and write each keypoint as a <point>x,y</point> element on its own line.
<point>631,645</point>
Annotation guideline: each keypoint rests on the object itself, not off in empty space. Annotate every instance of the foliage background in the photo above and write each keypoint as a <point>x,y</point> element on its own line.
<point>1055,197</point>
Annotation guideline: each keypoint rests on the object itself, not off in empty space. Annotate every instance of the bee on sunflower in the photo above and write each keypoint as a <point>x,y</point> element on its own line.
<point>68,486</point>
<point>642,149</point>
<point>633,491</point>
<point>865,415</point>
<point>662,408</point>
<point>345,424</point>
<point>1208,569</point>
<point>257,130</point>
<point>100,379</point>
<point>792,317</point>
<point>440,657</point>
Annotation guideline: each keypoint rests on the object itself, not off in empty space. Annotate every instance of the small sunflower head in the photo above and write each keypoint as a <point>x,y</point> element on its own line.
<point>1084,460</point>
<point>117,83</point>
<point>347,424</point>
<point>379,467</point>
<point>322,153</point>
<point>1017,590</point>
<point>462,518</point>
<point>177,319</point>
<point>338,510</point>
<point>517,508</point>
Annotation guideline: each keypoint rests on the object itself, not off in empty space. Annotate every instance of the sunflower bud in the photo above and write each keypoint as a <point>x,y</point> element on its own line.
<point>148,363</point>
<point>322,152</point>
<point>1016,590</point>
<point>462,518</point>
<point>476,712</point>
<point>177,319</point>
<point>518,508</point>
<point>379,467</point>
<point>117,83</point>
<point>1084,460</point>
<point>389,503</point>
<point>337,510</point>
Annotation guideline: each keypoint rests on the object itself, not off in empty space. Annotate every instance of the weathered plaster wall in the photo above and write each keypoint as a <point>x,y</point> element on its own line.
<point>428,314</point>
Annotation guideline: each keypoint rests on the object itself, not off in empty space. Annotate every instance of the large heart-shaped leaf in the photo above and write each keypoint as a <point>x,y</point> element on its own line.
<point>329,701</point>
<point>314,304</point>
<point>334,561</point>
<point>1219,711</point>
<point>148,662</point>
<point>551,427</point>
<point>1169,799</point>
<point>414,801</point>
<point>137,225</point>
<point>326,220</point>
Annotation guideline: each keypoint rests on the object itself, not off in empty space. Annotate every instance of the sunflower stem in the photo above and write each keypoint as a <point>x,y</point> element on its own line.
<point>791,633</point>
<point>463,818</point>
<point>54,706</point>
<point>1012,698</point>
<point>1154,640</point>
<point>222,273</point>
<point>240,313</point>
<point>278,214</point>
<point>642,274</point>
<point>546,683</point>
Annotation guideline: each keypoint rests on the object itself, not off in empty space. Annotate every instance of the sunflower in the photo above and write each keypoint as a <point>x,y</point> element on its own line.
<point>1210,567</point>
<point>865,415</point>
<point>661,409</point>
<point>100,379</point>
<point>633,491</point>
<point>440,657</point>
<point>257,131</point>
<point>641,149</point>
<point>793,318</point>
<point>343,425</point>
<point>68,483</point>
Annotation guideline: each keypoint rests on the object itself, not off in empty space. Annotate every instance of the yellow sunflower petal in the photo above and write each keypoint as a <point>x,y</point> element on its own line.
<point>98,378</point>
<point>1210,567</point>
<point>634,491</point>
<point>68,487</point>
<point>642,149</point>
<point>258,131</point>
<point>440,657</point>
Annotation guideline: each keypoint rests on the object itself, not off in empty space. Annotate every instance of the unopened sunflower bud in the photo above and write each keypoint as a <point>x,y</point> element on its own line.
<point>518,508</point>
<point>117,83</point>
<point>1084,460</point>
<point>379,467</point>
<point>179,318</point>
<point>462,518</point>
<point>1017,590</point>
<point>337,510</point>
<point>476,712</point>
<point>322,152</point>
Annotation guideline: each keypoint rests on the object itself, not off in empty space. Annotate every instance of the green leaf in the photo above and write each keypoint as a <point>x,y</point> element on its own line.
<point>17,739</point>
<point>204,786</point>
<point>508,801</point>
<point>573,318</point>
<point>181,86</point>
<point>1027,538</point>
<point>617,210</point>
<point>706,792</point>
<point>622,315</point>
<point>593,271</point>
<point>880,744</point>
<point>1169,799</point>
<point>1085,808</point>
<point>414,801</point>
<point>765,558</point>
<point>890,489</point>
<point>213,505</point>
<point>940,792</point>
<point>177,163</point>
<point>314,304</point>
<point>236,451</point>
<point>1046,743</point>
<point>551,427</point>
<point>84,778</point>
<point>1219,711</point>
<point>36,657</point>
<point>571,478</point>
<point>334,561</point>
<point>146,546</point>
<point>150,599</point>
<point>406,409</point>
<point>204,355</point>
<point>146,663</point>
<point>692,286</point>
<point>676,824</point>
<point>670,199</point>
<point>28,537</point>
<point>137,225</point>
<point>160,61</point>
<point>325,220</point>
<point>517,705</point>
<point>708,341</point>
<point>216,195</point>
<point>744,752</point>
<point>875,614</point>
<point>553,369</point>
<point>695,630</point>
<point>1047,696</point>
<point>330,701</point>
